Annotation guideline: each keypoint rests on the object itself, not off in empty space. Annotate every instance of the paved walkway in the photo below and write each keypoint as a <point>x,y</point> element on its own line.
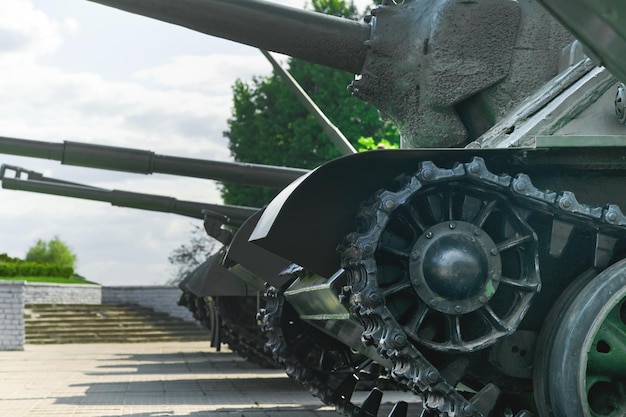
<point>150,380</point>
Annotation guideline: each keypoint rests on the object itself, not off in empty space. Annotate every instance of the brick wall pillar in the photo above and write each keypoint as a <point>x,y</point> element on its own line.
<point>12,315</point>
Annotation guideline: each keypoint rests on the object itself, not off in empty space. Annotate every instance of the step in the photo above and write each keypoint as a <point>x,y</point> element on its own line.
<point>105,323</point>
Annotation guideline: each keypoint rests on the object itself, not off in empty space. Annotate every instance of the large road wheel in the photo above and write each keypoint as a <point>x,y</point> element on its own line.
<point>584,366</point>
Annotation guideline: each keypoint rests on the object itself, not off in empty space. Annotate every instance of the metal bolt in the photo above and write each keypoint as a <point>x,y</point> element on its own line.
<point>520,185</point>
<point>474,168</point>
<point>399,339</point>
<point>468,409</point>
<point>374,297</point>
<point>433,302</point>
<point>458,309</point>
<point>482,299</point>
<point>368,248</point>
<point>611,217</point>
<point>415,255</point>
<point>566,203</point>
<point>429,235</point>
<point>427,174</point>
<point>477,232</point>
<point>433,376</point>
<point>452,225</point>
<point>494,251</point>
<point>389,204</point>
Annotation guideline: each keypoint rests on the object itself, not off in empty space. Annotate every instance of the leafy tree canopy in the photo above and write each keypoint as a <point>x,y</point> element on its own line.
<point>270,126</point>
<point>54,251</point>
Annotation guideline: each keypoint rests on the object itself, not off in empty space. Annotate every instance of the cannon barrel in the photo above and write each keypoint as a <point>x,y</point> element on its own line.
<point>236,215</point>
<point>147,162</point>
<point>315,37</point>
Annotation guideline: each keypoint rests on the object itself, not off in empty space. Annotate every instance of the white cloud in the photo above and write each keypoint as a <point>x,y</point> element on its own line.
<point>83,72</point>
<point>26,32</point>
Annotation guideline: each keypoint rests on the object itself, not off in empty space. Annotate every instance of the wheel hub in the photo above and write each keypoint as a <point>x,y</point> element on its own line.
<point>455,267</point>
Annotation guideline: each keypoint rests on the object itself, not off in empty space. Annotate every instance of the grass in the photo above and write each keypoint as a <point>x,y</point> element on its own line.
<point>54,280</point>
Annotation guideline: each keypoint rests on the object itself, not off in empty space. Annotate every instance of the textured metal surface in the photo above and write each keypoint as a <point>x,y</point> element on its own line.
<point>399,323</point>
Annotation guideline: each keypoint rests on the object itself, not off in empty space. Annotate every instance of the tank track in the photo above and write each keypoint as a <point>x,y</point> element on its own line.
<point>247,341</point>
<point>334,381</point>
<point>367,300</point>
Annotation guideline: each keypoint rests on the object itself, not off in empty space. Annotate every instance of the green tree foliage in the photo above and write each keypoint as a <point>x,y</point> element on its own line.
<point>54,251</point>
<point>270,126</point>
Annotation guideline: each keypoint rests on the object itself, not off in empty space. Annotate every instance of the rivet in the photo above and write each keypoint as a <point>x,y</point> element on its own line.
<point>399,339</point>
<point>566,203</point>
<point>520,185</point>
<point>611,216</point>
<point>468,409</point>
<point>452,225</point>
<point>494,251</point>
<point>433,376</point>
<point>474,168</point>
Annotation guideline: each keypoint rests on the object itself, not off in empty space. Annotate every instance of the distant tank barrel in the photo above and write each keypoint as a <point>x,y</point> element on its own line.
<point>236,215</point>
<point>147,162</point>
<point>315,37</point>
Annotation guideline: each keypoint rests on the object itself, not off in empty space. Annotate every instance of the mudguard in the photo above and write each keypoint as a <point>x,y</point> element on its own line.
<point>310,217</point>
<point>261,266</point>
<point>212,279</point>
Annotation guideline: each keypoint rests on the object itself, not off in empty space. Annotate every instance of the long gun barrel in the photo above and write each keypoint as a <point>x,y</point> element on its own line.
<point>328,40</point>
<point>147,162</point>
<point>35,182</point>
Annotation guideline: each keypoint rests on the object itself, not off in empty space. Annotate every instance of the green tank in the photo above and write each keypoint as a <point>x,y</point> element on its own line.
<point>488,279</point>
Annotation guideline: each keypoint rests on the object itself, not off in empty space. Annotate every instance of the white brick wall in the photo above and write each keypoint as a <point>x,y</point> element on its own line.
<point>158,298</point>
<point>41,293</point>
<point>12,315</point>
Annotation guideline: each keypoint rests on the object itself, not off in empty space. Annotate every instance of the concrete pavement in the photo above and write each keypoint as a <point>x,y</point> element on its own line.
<point>151,380</point>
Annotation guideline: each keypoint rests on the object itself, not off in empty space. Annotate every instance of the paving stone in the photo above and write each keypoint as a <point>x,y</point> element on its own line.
<point>151,380</point>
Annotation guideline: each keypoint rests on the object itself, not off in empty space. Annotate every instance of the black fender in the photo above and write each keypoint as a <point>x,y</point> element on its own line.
<point>211,279</point>
<point>311,216</point>
<point>251,262</point>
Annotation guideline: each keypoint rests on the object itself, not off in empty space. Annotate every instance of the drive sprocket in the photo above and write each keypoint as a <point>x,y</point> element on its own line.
<point>443,268</point>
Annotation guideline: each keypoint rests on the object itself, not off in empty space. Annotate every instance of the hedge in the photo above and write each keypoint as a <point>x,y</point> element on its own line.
<point>34,269</point>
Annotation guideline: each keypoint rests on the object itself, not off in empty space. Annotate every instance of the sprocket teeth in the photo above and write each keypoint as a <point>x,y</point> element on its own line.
<point>400,409</point>
<point>371,404</point>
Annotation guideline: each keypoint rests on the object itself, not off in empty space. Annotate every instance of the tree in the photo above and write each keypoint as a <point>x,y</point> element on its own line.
<point>270,126</point>
<point>191,255</point>
<point>54,252</point>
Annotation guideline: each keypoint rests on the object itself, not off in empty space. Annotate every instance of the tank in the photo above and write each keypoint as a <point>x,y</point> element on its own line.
<point>222,302</point>
<point>487,279</point>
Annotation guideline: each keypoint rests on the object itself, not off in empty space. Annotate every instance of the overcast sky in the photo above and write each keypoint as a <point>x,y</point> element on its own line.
<point>74,70</point>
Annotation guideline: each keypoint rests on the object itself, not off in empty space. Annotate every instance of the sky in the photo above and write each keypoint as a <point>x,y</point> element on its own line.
<point>78,71</point>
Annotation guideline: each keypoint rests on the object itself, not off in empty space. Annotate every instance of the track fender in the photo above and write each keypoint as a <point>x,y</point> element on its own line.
<point>311,216</point>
